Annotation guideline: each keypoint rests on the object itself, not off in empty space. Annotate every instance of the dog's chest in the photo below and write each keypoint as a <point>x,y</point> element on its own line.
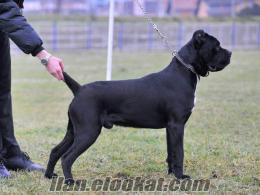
<point>194,97</point>
<point>194,102</point>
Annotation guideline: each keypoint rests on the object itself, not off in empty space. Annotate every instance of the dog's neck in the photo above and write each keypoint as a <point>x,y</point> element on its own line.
<point>188,54</point>
<point>176,67</point>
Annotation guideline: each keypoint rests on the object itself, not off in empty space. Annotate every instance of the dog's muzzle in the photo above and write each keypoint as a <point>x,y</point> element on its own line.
<point>214,68</point>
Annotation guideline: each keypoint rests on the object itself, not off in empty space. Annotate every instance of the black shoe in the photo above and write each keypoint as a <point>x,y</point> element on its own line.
<point>22,162</point>
<point>4,173</point>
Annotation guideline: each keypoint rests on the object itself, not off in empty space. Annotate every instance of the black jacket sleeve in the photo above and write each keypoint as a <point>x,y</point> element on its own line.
<point>16,27</point>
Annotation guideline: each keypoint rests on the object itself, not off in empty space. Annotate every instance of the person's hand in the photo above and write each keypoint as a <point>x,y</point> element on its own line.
<point>53,64</point>
<point>55,67</point>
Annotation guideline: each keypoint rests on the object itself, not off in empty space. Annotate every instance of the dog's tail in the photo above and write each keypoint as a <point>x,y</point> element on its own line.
<point>71,83</point>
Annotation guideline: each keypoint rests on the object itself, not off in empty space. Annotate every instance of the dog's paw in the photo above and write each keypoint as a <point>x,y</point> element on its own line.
<point>69,181</point>
<point>183,177</point>
<point>178,176</point>
<point>108,125</point>
<point>50,175</point>
<point>170,172</point>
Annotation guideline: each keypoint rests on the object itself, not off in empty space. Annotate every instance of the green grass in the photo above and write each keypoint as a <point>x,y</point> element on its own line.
<point>221,137</point>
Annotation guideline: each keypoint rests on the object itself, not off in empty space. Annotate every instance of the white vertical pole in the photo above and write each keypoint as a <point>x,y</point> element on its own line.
<point>110,40</point>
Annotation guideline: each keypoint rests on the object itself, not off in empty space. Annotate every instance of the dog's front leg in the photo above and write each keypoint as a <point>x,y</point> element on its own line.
<point>175,133</point>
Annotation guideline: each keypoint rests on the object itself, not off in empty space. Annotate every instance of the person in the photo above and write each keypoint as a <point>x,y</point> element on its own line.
<point>13,25</point>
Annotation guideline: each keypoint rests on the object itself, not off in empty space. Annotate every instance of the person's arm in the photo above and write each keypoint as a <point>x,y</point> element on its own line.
<point>23,35</point>
<point>17,28</point>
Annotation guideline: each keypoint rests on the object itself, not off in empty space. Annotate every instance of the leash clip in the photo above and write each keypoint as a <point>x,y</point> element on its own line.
<point>174,53</point>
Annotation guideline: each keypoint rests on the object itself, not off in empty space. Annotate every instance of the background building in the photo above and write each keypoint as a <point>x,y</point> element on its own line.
<point>179,8</point>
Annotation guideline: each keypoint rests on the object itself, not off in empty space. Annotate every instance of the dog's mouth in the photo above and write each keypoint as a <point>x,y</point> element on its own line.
<point>212,68</point>
<point>215,68</point>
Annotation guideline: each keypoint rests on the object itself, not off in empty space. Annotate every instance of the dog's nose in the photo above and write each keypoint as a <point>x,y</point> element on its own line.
<point>229,53</point>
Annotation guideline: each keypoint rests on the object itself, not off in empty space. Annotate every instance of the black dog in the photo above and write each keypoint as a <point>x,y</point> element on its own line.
<point>159,100</point>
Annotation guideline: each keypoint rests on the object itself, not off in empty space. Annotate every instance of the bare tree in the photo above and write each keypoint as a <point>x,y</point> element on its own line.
<point>169,7</point>
<point>58,6</point>
<point>196,12</point>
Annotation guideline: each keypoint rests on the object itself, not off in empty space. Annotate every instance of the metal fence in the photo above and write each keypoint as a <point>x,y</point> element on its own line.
<point>131,36</point>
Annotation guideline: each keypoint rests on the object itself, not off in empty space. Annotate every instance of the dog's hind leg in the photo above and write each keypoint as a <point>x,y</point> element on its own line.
<point>59,150</point>
<point>82,141</point>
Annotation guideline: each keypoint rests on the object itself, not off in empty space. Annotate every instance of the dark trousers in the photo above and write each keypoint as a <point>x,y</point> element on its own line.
<point>8,143</point>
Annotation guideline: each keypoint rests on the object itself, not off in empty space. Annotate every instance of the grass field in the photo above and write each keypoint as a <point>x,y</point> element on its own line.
<point>222,138</point>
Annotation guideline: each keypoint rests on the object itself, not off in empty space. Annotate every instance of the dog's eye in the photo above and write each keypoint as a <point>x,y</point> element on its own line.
<point>217,48</point>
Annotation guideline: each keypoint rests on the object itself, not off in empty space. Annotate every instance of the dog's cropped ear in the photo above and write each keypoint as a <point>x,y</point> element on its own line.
<point>199,38</point>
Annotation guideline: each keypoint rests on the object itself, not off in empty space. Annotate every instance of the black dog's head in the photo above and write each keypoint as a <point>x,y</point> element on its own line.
<point>210,56</point>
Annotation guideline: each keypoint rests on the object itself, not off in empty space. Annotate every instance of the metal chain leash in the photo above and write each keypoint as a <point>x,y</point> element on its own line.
<point>164,39</point>
<point>160,34</point>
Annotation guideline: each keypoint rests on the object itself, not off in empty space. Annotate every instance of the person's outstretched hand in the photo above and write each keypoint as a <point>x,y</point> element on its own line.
<point>53,64</point>
<point>55,67</point>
